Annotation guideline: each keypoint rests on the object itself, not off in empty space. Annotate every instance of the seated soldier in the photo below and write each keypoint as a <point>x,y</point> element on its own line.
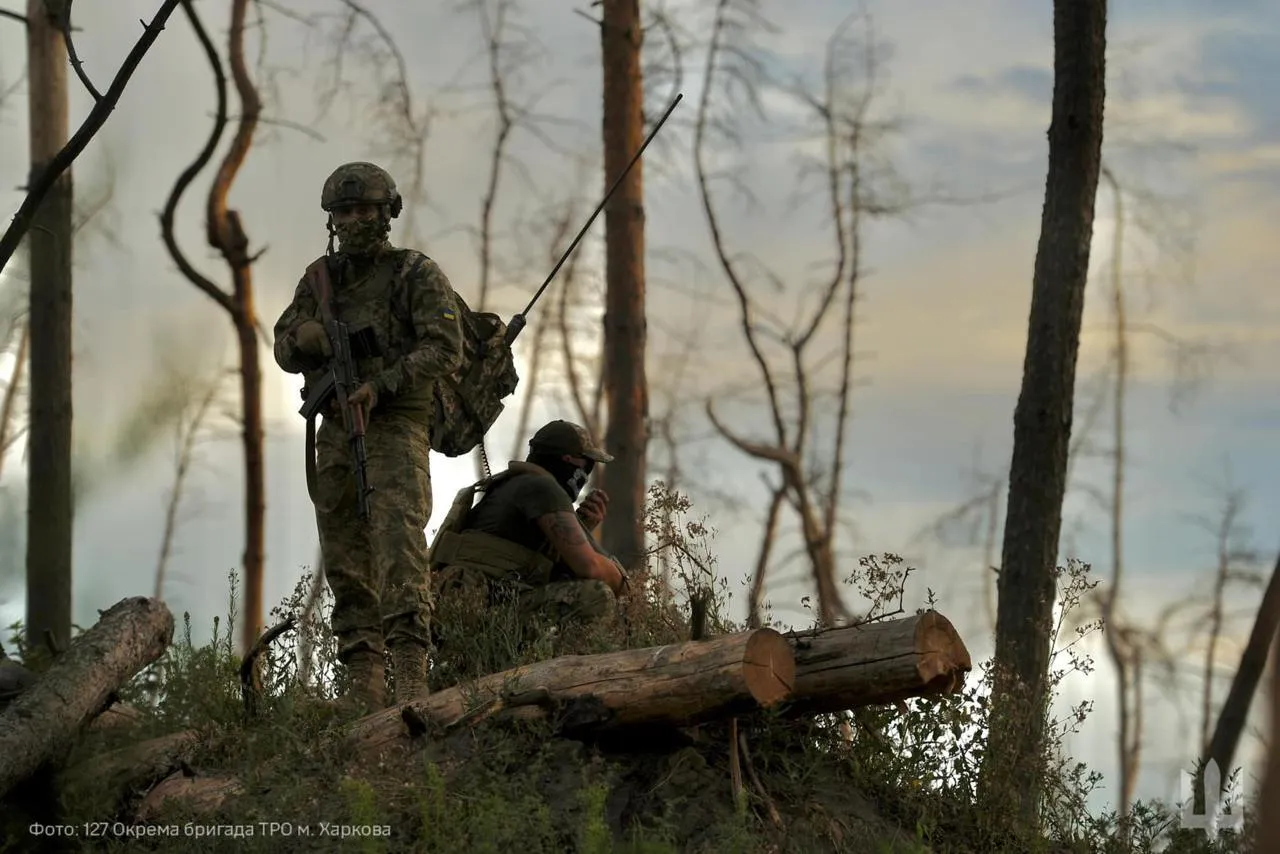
<point>524,537</point>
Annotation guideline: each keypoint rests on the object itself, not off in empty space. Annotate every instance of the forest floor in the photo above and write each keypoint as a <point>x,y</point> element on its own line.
<point>883,780</point>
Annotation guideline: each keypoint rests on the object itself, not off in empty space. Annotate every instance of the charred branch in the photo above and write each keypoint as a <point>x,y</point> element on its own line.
<point>44,181</point>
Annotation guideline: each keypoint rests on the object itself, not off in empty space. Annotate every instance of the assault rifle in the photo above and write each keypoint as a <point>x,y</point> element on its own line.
<point>340,380</point>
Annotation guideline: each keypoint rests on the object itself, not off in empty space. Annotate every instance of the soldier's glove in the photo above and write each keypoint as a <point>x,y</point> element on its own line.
<point>313,340</point>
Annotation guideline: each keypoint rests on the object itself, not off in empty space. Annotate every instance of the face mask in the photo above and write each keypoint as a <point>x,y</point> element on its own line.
<point>361,236</point>
<point>570,477</point>
<point>576,481</point>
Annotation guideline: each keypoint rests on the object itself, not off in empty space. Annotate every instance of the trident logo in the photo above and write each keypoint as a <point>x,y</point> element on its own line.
<point>1212,820</point>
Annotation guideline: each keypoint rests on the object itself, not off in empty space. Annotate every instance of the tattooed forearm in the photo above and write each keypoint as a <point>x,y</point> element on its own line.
<point>566,531</point>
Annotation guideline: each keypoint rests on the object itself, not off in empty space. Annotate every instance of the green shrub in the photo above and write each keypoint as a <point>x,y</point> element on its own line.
<point>883,779</point>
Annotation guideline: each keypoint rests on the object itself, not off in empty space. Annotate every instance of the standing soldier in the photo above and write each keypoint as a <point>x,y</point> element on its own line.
<point>403,313</point>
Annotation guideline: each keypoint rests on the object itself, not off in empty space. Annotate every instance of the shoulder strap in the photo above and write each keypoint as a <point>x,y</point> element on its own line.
<point>385,272</point>
<point>319,277</point>
<point>418,260</point>
<point>522,467</point>
<point>406,263</point>
<point>456,519</point>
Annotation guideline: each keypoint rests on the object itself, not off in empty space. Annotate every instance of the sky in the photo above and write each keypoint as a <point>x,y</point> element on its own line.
<point>1192,134</point>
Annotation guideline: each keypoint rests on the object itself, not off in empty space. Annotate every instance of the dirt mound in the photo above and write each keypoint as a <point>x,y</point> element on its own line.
<point>518,787</point>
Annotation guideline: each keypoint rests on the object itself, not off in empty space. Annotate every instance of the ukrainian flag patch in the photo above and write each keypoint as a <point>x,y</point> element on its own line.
<point>449,314</point>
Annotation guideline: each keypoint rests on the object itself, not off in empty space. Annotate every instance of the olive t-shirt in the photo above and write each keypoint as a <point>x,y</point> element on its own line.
<point>510,509</point>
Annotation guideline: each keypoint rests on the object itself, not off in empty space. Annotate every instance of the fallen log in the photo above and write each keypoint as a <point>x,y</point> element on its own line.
<point>127,771</point>
<point>876,663</point>
<point>14,679</point>
<point>44,720</point>
<point>675,685</point>
<point>117,715</point>
<point>198,793</point>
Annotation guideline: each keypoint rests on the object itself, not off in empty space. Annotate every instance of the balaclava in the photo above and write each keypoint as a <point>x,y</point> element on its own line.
<point>360,238</point>
<point>571,478</point>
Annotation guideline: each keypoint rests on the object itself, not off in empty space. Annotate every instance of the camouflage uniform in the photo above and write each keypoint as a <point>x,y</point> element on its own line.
<point>498,546</point>
<point>561,602</point>
<point>378,569</point>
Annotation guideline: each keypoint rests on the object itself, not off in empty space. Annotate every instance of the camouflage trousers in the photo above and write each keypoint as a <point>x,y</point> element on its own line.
<point>558,602</point>
<point>377,570</point>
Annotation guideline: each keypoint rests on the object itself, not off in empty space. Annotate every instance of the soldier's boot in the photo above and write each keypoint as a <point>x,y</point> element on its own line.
<point>368,689</point>
<point>409,667</point>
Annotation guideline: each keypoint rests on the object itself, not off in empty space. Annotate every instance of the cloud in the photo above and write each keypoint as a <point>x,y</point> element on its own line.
<point>1032,83</point>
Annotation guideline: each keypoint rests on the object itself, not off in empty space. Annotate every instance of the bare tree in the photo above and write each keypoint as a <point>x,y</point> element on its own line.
<point>49,514</point>
<point>1267,837</point>
<point>9,431</point>
<point>190,428</point>
<point>1130,645</point>
<point>309,607</point>
<point>402,128</point>
<point>810,479</point>
<point>1231,559</point>
<point>625,382</point>
<point>587,401</point>
<point>1011,772</point>
<point>87,221</point>
<point>508,50</point>
<point>543,325</point>
<point>225,233</point>
<point>977,520</point>
<point>45,179</point>
<point>974,521</point>
<point>1125,653</point>
<point>1235,708</point>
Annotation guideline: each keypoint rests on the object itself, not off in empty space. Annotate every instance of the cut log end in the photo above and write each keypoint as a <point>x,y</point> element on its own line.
<point>944,659</point>
<point>769,667</point>
<point>878,663</point>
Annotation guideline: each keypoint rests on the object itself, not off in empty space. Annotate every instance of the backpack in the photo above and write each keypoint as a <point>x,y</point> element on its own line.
<point>469,401</point>
<point>464,501</point>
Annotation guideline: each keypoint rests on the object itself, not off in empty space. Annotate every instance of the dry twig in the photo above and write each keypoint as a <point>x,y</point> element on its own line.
<point>250,673</point>
<point>97,117</point>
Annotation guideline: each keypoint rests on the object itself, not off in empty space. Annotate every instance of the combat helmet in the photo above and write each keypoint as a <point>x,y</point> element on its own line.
<point>360,183</point>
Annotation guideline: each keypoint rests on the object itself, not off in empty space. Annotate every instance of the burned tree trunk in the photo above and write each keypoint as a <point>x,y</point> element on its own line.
<point>1253,661</point>
<point>1268,833</point>
<point>1042,418</point>
<point>225,233</point>
<point>46,717</point>
<point>227,236</point>
<point>49,427</point>
<point>626,386</point>
<point>674,685</point>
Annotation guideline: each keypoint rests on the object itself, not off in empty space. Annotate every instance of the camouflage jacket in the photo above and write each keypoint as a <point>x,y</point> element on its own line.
<point>408,303</point>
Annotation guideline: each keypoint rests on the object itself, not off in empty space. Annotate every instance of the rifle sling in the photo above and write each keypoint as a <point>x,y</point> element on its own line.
<point>318,275</point>
<point>320,285</point>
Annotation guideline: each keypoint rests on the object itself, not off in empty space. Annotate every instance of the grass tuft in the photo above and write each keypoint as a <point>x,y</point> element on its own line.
<point>884,780</point>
